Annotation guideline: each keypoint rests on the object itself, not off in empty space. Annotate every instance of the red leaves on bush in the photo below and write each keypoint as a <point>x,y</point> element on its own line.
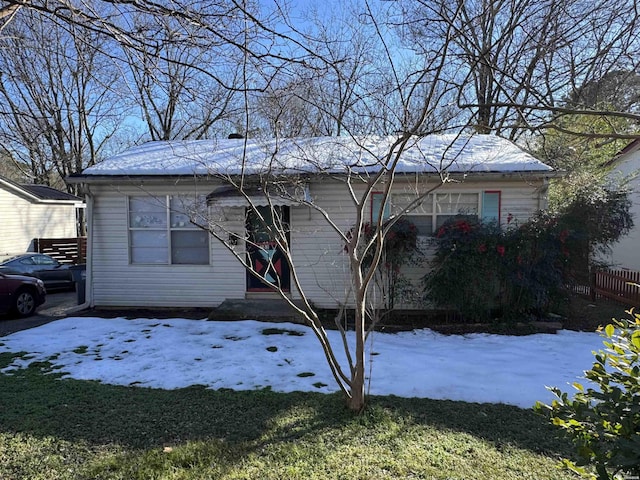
<point>563,235</point>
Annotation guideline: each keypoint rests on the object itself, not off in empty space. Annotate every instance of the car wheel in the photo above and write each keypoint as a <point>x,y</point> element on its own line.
<point>25,303</point>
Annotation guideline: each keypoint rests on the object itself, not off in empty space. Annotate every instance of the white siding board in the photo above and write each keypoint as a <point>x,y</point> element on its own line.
<point>318,252</point>
<point>23,220</point>
<point>625,253</point>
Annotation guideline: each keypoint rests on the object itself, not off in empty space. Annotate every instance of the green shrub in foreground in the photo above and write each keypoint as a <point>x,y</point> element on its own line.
<point>604,422</point>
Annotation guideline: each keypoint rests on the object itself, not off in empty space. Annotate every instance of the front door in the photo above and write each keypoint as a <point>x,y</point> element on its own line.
<point>263,253</point>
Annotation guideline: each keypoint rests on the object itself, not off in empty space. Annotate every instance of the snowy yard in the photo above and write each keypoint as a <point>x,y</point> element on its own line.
<point>243,355</point>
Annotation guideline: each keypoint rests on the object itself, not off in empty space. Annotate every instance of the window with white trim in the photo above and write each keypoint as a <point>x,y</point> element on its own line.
<point>161,231</point>
<point>431,212</point>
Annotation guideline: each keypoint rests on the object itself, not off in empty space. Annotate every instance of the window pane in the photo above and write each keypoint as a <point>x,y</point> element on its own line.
<point>454,203</point>
<point>186,210</point>
<point>42,260</point>
<point>376,203</point>
<point>147,212</point>
<point>149,246</point>
<point>400,201</point>
<point>491,206</point>
<point>190,247</point>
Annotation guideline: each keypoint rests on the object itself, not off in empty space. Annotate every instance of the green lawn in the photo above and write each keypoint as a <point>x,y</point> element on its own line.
<point>68,429</point>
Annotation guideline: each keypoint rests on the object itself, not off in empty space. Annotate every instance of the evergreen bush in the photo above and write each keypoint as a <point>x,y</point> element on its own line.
<point>603,421</point>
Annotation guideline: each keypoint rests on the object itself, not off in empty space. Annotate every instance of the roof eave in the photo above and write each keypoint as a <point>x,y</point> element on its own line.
<point>135,179</point>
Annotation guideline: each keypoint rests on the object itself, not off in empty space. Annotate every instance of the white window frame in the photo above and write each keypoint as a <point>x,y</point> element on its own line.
<point>430,208</point>
<point>164,228</point>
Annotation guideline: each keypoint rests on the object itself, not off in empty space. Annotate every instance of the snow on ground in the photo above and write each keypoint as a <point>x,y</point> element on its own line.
<point>244,355</point>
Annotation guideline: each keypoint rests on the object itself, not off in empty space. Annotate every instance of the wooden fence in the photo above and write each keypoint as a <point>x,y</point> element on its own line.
<point>65,250</point>
<point>618,285</point>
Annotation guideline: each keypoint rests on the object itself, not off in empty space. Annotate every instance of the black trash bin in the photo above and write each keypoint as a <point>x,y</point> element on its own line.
<point>79,274</point>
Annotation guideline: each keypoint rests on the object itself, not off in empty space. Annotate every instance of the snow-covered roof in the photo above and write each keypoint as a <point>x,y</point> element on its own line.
<point>430,154</point>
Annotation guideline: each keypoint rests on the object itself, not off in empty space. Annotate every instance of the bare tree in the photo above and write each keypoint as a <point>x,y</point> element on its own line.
<point>286,111</point>
<point>516,62</point>
<point>360,172</point>
<point>58,103</point>
<point>176,100</point>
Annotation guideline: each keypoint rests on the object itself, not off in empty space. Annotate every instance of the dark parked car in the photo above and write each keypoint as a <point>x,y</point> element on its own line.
<point>53,273</point>
<point>20,294</point>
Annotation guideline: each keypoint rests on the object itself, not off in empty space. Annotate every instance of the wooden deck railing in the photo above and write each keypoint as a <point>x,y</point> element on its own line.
<point>618,285</point>
<point>65,250</point>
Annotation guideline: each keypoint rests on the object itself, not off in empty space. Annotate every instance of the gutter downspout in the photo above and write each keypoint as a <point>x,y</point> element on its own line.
<point>88,303</point>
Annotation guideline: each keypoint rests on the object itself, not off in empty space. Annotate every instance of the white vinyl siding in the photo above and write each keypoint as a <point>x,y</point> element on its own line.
<point>625,252</point>
<point>23,219</point>
<point>318,251</point>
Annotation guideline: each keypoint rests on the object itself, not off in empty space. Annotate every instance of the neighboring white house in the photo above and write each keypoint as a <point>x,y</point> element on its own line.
<point>28,212</point>
<point>144,251</point>
<point>625,254</point>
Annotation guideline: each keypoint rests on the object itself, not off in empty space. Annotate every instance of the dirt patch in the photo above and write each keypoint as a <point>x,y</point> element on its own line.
<point>584,314</point>
<point>579,313</point>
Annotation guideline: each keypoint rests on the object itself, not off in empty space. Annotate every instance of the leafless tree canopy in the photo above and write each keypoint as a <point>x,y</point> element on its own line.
<point>59,98</point>
<point>515,63</point>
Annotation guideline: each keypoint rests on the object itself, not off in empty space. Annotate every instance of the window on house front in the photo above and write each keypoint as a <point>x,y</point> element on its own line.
<point>491,206</point>
<point>432,211</point>
<point>161,232</point>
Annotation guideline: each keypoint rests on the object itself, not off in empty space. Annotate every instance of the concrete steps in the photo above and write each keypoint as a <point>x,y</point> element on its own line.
<point>266,309</point>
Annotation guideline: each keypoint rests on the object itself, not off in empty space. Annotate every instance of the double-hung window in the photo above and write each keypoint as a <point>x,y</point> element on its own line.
<point>164,230</point>
<point>430,212</point>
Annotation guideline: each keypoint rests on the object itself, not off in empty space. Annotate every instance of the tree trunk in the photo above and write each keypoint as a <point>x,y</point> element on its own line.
<point>357,401</point>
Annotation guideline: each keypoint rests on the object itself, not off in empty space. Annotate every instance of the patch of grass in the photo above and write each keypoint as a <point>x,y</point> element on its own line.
<point>60,429</point>
<point>234,338</point>
<point>7,358</point>
<point>306,374</point>
<point>282,331</point>
<point>81,350</point>
<point>272,349</point>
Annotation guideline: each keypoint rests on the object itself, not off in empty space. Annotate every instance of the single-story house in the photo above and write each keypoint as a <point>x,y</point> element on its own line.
<point>145,248</point>
<point>625,254</point>
<point>34,211</point>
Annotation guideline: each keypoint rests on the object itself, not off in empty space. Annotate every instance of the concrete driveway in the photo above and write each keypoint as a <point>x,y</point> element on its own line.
<point>55,307</point>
